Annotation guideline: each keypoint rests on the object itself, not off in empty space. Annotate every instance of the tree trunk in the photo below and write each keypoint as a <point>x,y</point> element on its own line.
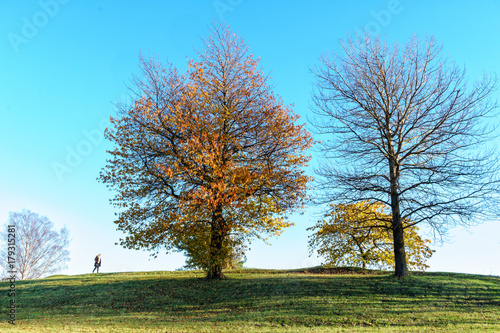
<point>218,233</point>
<point>215,273</point>
<point>399,246</point>
<point>397,225</point>
<point>363,255</point>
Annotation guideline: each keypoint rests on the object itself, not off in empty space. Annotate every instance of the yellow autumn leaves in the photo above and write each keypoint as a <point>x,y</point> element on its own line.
<point>360,235</point>
<point>206,160</point>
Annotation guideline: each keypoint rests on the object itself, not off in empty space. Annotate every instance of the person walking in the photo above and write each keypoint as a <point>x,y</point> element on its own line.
<point>97,263</point>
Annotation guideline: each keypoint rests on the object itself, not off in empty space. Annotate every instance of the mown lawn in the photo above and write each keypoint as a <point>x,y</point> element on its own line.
<point>309,300</point>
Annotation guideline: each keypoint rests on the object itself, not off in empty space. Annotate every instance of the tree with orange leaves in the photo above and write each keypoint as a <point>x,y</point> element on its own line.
<point>205,160</point>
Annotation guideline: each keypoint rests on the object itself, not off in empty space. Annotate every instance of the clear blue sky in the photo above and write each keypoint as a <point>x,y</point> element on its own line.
<point>62,63</point>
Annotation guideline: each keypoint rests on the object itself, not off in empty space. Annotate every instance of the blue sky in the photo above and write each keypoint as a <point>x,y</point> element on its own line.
<point>63,63</point>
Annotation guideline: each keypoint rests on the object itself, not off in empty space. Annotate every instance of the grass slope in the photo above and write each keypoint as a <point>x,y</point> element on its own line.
<point>309,300</point>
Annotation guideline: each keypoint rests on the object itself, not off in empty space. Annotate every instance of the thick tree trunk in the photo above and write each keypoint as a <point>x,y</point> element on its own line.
<point>218,233</point>
<point>399,246</point>
<point>397,225</point>
<point>215,273</point>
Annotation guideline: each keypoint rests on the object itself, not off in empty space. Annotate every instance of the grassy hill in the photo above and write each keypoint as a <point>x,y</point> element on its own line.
<point>251,300</point>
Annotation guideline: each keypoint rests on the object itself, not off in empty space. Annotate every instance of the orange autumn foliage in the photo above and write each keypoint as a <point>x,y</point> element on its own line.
<point>207,159</point>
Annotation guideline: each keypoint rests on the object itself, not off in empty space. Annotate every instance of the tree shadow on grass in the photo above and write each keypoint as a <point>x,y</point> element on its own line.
<point>286,298</point>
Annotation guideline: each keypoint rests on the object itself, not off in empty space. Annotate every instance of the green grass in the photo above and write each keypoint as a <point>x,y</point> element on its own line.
<point>309,300</point>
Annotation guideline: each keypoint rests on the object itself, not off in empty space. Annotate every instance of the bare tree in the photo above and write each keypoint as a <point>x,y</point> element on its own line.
<point>40,250</point>
<point>405,129</point>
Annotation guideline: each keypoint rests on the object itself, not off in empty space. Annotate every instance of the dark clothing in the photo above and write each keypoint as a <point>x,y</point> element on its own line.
<point>97,264</point>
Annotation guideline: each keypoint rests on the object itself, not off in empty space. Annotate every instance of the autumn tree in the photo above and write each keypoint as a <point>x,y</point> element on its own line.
<point>196,252</point>
<point>360,234</point>
<point>407,131</point>
<point>207,159</point>
<point>39,249</point>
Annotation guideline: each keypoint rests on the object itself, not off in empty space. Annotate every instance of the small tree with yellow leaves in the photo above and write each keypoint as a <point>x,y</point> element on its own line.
<point>360,235</point>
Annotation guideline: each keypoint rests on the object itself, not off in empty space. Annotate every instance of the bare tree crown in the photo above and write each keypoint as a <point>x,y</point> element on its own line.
<point>40,250</point>
<point>407,130</point>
